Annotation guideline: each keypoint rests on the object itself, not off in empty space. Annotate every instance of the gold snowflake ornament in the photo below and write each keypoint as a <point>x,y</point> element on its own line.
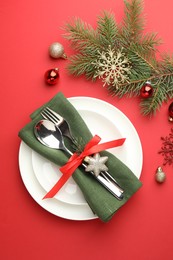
<point>112,67</point>
<point>96,164</point>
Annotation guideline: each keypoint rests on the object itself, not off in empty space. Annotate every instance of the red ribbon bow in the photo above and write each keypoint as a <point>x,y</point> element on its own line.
<point>75,160</point>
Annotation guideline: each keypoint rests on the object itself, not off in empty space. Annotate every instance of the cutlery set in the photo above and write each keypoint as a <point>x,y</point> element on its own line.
<point>51,132</point>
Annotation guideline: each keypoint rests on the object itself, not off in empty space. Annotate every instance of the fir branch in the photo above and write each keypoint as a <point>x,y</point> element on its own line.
<point>132,29</point>
<point>167,62</point>
<point>146,49</point>
<point>141,67</point>
<point>81,64</point>
<point>149,42</point>
<point>162,85</point>
<point>122,56</point>
<point>81,35</point>
<point>163,89</point>
<point>151,104</point>
<point>130,89</point>
<point>133,23</point>
<point>107,29</point>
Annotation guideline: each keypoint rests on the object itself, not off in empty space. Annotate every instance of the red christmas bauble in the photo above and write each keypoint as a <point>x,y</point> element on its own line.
<point>51,76</point>
<point>146,90</point>
<point>170,112</point>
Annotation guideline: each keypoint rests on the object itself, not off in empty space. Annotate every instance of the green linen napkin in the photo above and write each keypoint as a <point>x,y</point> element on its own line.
<point>102,202</point>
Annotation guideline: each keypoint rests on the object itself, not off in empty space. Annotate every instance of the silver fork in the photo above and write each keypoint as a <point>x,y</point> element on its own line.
<point>105,178</point>
<point>59,121</point>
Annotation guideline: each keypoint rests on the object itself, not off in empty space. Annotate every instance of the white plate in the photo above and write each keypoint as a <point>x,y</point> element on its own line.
<point>54,206</point>
<point>104,120</point>
<point>47,174</point>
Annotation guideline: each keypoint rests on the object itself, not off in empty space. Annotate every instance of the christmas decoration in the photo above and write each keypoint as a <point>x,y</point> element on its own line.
<point>122,56</point>
<point>51,76</point>
<point>146,90</point>
<point>96,164</point>
<point>56,50</point>
<point>160,175</point>
<point>167,148</point>
<point>170,111</point>
<point>112,68</point>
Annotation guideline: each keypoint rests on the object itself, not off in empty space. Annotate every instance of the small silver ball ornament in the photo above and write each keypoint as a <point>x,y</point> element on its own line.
<point>56,50</point>
<point>160,175</point>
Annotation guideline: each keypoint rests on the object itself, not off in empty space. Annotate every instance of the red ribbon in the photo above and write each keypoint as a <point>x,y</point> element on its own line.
<point>75,160</point>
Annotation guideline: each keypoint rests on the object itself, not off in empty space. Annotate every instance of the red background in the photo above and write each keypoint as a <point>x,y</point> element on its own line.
<point>143,228</point>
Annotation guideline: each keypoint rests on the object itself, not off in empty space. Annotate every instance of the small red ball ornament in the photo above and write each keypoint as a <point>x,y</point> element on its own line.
<point>146,90</point>
<point>170,112</point>
<point>51,76</point>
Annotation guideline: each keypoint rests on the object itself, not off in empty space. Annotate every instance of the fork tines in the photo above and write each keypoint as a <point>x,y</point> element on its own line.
<point>49,114</point>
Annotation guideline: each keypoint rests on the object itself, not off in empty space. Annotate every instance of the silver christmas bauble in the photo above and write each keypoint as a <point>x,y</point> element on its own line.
<point>56,50</point>
<point>160,175</point>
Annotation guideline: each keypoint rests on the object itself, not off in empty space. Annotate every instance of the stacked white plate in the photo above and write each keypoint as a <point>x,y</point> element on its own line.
<point>39,175</point>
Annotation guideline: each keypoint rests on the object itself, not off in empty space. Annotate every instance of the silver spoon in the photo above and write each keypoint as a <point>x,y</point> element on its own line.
<point>50,135</point>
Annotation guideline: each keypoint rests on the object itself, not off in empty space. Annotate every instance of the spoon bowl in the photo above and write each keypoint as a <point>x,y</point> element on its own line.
<point>50,135</point>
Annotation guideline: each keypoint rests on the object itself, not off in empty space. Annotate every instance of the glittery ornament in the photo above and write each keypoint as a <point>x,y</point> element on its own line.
<point>51,76</point>
<point>160,175</point>
<point>167,148</point>
<point>56,50</point>
<point>146,90</point>
<point>113,67</point>
<point>96,164</point>
<point>170,112</point>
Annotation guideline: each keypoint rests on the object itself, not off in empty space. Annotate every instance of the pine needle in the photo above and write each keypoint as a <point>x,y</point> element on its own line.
<point>122,56</point>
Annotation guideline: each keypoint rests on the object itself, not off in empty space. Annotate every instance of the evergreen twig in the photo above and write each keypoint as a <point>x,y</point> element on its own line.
<point>122,52</point>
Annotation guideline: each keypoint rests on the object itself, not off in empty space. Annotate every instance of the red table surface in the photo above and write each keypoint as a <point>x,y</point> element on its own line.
<point>143,228</point>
